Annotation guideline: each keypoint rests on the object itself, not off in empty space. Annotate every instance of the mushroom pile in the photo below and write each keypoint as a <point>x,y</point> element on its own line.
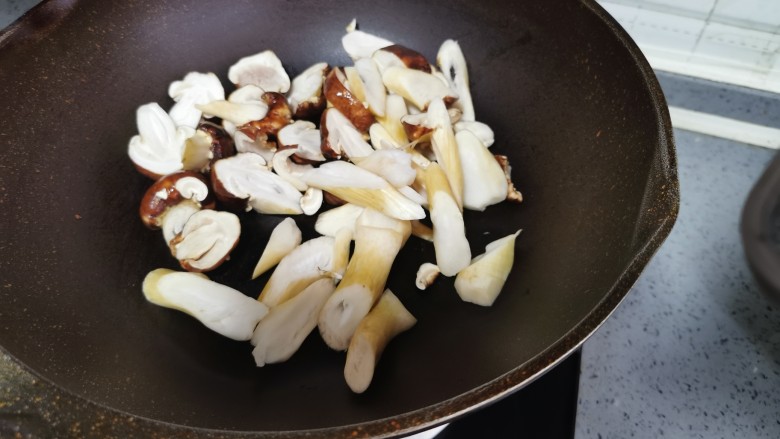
<point>386,142</point>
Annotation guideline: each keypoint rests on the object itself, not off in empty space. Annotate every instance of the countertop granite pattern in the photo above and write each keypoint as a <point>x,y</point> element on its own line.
<point>693,351</point>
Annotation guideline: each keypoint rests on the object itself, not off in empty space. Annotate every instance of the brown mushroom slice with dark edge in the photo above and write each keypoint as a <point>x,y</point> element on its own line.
<point>512,193</point>
<point>305,97</point>
<point>408,57</point>
<point>263,70</point>
<point>340,138</point>
<point>266,129</point>
<point>484,182</point>
<point>209,144</point>
<point>172,199</point>
<point>338,95</point>
<point>206,240</point>
<point>244,181</point>
<point>365,81</point>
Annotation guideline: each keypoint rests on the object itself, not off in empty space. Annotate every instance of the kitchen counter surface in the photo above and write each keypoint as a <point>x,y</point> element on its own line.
<point>693,351</point>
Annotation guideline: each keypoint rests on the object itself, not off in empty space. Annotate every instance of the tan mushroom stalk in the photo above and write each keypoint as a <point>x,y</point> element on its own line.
<point>305,96</point>
<point>452,62</point>
<point>340,138</point>
<point>242,106</point>
<point>195,89</point>
<point>263,70</point>
<point>416,86</point>
<point>362,284</point>
<point>280,334</point>
<point>386,320</point>
<point>342,243</point>
<point>158,148</point>
<point>206,240</point>
<point>395,110</point>
<point>449,235</point>
<point>482,281</point>
<point>220,308</point>
<point>338,95</point>
<point>359,44</point>
<point>331,221</point>
<point>373,88</point>
<point>422,231</point>
<point>393,165</point>
<point>307,263</point>
<point>426,274</point>
<point>285,237</point>
<point>484,182</point>
<point>363,188</point>
<point>381,138</point>
<point>245,178</point>
<point>445,148</point>
<point>483,132</point>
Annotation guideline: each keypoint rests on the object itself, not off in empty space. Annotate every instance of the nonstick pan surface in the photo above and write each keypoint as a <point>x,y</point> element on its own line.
<point>572,102</point>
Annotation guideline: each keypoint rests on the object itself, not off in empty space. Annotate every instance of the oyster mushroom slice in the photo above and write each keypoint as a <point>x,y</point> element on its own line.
<point>484,182</point>
<point>449,233</point>
<point>245,176</point>
<point>483,132</point>
<point>375,93</point>
<point>281,333</point>
<point>311,201</point>
<point>285,237</point>
<point>263,70</point>
<point>301,267</point>
<point>481,282</point>
<point>417,87</point>
<point>363,188</point>
<point>305,96</point>
<point>452,62</point>
<point>195,89</point>
<point>304,136</point>
<point>359,44</point>
<point>158,148</point>
<point>244,105</point>
<point>362,284</point>
<point>206,240</point>
<point>393,165</point>
<point>330,222</point>
<point>220,308</point>
<point>386,320</point>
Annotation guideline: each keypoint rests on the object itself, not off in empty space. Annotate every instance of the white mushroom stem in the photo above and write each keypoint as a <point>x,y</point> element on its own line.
<point>331,221</point>
<point>281,333</point>
<point>307,87</point>
<point>482,281</point>
<point>380,138</point>
<point>446,149</point>
<point>386,320</point>
<point>417,87</point>
<point>426,274</point>
<point>304,136</point>
<point>484,182</point>
<point>243,106</point>
<point>159,146</point>
<point>359,44</point>
<point>285,237</point>
<point>363,283</point>
<point>449,235</point>
<point>374,89</point>
<point>393,165</point>
<point>452,62</point>
<point>290,171</point>
<point>299,269</point>
<point>222,309</point>
<point>395,109</point>
<point>483,132</point>
<point>206,240</point>
<point>363,188</point>
<point>245,176</point>
<point>373,218</point>
<point>311,201</point>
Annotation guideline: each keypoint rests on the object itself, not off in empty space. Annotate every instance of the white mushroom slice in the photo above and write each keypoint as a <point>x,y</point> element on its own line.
<point>484,182</point>
<point>303,135</point>
<point>306,88</point>
<point>416,86</point>
<point>158,148</point>
<point>412,194</point>
<point>353,83</point>
<point>285,237</point>
<point>307,263</point>
<point>343,137</point>
<point>374,89</point>
<point>331,221</point>
<point>386,320</point>
<point>393,165</point>
<point>196,88</point>
<point>206,240</point>
<point>290,171</point>
<point>426,274</point>
<point>342,243</point>
<point>385,59</point>
<point>245,176</point>
<point>358,186</point>
<point>395,109</point>
<point>479,129</point>
<point>380,138</point>
<point>359,44</point>
<point>449,234</point>
<point>311,201</point>
<point>263,70</point>
<point>374,218</point>
<point>280,334</point>
<point>176,217</point>
<point>446,148</point>
<point>482,281</point>
<point>451,60</point>
<point>244,143</point>
<point>243,106</point>
<point>363,283</point>
<point>220,308</point>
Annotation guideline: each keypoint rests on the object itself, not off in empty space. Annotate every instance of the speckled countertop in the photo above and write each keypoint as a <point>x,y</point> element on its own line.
<point>693,351</point>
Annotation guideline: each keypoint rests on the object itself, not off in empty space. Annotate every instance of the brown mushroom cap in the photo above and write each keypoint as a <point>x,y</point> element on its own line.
<point>343,100</point>
<point>278,116</point>
<point>166,193</point>
<point>410,57</point>
<point>221,143</point>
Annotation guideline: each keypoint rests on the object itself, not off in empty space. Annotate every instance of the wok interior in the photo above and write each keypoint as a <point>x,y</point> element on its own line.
<point>566,101</point>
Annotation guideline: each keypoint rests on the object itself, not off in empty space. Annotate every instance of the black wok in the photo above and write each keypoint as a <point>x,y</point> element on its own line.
<point>573,104</point>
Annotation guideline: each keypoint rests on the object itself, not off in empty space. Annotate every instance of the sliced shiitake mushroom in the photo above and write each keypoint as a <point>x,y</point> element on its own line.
<point>342,99</point>
<point>278,116</point>
<point>263,70</point>
<point>409,57</point>
<point>206,240</point>
<point>305,98</point>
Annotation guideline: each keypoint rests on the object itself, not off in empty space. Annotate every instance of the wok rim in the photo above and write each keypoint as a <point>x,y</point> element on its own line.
<point>508,383</point>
